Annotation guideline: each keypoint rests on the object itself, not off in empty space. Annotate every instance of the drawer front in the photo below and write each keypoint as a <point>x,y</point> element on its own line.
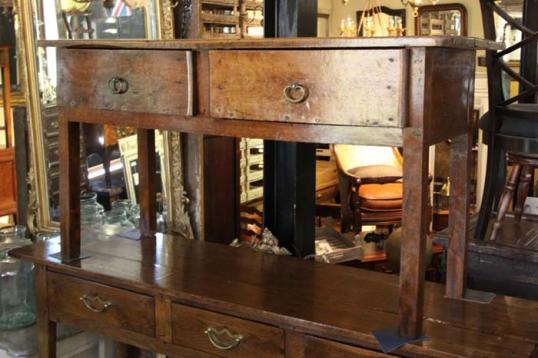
<point>126,80</point>
<point>94,305</point>
<point>342,87</point>
<point>321,348</point>
<point>223,335</point>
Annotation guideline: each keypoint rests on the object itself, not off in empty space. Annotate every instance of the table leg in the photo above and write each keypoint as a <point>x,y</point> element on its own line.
<point>415,221</point>
<point>46,329</point>
<point>458,219</point>
<point>69,188</point>
<point>147,182</point>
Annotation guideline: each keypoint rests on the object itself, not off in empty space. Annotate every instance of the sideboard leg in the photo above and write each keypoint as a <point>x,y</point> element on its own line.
<point>147,182</point>
<point>415,221</point>
<point>46,329</point>
<point>69,188</point>
<point>458,220</point>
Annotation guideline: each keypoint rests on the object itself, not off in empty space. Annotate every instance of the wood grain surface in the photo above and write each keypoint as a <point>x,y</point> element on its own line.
<point>128,311</point>
<point>346,87</point>
<point>364,42</point>
<point>333,302</point>
<point>155,81</point>
<point>189,325</point>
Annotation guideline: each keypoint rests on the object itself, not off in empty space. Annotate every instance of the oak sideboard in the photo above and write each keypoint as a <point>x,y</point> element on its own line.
<point>195,299</point>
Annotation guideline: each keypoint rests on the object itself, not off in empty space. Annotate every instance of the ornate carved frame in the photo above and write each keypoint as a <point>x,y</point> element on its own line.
<point>39,218</point>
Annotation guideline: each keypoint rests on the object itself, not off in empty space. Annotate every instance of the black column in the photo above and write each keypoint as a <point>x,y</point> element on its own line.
<point>290,168</point>
<point>529,54</point>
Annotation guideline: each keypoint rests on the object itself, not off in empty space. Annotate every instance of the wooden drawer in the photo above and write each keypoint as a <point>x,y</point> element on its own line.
<point>155,81</point>
<point>197,329</point>
<point>92,305</point>
<point>331,86</point>
<point>321,348</point>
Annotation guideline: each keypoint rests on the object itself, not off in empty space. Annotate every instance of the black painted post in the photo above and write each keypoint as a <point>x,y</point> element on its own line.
<point>290,168</point>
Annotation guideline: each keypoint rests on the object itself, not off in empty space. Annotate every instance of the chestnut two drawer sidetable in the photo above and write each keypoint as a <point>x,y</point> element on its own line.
<point>194,299</point>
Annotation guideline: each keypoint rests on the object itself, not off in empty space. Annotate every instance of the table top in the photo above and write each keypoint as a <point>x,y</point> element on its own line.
<point>335,302</point>
<point>283,43</point>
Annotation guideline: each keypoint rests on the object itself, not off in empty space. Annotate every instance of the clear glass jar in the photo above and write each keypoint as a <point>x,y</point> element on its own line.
<point>118,218</point>
<point>17,298</point>
<point>91,212</point>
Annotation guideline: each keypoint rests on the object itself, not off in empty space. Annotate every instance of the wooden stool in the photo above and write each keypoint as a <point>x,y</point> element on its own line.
<point>519,180</point>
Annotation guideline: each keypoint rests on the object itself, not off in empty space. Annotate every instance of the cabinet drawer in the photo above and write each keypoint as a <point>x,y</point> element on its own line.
<point>223,335</point>
<point>321,348</point>
<point>126,80</point>
<point>92,305</point>
<point>309,86</point>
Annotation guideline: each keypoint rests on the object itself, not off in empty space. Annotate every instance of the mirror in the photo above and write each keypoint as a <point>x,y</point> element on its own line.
<point>106,170</point>
<point>381,21</point>
<point>441,20</point>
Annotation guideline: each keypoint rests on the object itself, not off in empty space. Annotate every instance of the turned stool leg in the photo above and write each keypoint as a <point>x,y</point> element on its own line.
<point>505,200</point>
<point>522,191</point>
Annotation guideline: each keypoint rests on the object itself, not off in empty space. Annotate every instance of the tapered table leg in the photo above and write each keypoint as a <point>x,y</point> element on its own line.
<point>458,220</point>
<point>147,182</point>
<point>69,188</point>
<point>415,221</point>
<point>46,329</point>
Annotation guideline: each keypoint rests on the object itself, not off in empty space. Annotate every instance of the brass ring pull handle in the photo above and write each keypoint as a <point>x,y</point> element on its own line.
<point>231,340</point>
<point>95,303</point>
<point>295,93</point>
<point>118,85</point>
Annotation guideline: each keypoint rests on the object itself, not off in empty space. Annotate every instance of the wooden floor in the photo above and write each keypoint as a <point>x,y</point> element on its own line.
<point>335,302</point>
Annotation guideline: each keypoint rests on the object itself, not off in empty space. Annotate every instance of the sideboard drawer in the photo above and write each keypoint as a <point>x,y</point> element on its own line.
<point>321,348</point>
<point>156,81</point>
<point>223,335</point>
<point>309,86</point>
<point>92,305</point>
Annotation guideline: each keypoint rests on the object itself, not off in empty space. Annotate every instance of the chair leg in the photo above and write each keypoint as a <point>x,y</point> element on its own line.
<point>357,220</point>
<point>506,198</point>
<point>494,157</point>
<point>522,191</point>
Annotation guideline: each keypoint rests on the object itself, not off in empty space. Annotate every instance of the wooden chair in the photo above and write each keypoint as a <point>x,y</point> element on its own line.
<point>511,125</point>
<point>370,185</point>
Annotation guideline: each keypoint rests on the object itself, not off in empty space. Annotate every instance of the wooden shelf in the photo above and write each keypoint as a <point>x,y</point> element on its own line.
<point>220,2</point>
<point>232,20</point>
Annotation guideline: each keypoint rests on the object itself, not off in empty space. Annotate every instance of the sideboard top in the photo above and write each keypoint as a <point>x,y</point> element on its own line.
<point>284,43</point>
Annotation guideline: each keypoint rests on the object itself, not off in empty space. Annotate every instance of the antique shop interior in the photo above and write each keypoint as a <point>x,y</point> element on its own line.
<point>269,178</point>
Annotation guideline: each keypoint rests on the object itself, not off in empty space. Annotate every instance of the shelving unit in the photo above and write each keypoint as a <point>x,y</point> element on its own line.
<point>219,19</point>
<point>232,19</point>
<point>251,168</point>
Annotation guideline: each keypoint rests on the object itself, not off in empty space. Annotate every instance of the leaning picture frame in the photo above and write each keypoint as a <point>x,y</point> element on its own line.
<point>129,157</point>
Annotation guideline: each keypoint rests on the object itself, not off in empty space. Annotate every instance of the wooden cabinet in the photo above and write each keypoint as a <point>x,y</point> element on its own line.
<point>8,187</point>
<point>189,298</point>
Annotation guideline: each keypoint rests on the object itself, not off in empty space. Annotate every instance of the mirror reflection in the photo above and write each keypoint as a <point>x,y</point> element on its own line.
<point>109,175</point>
<point>441,20</point>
